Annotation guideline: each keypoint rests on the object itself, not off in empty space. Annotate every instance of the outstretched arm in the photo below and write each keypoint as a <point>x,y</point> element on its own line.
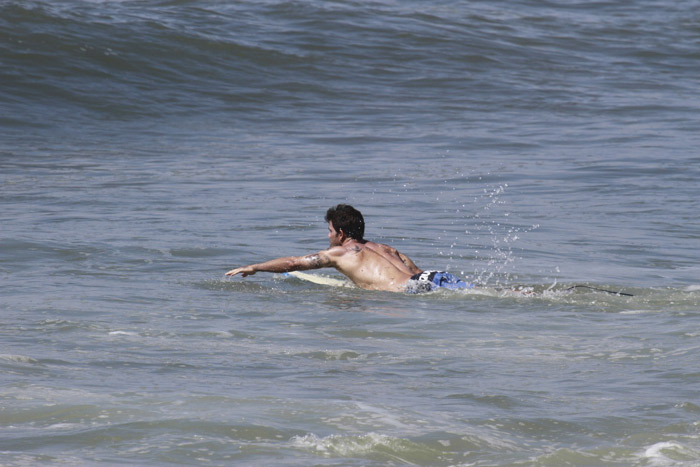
<point>286,264</point>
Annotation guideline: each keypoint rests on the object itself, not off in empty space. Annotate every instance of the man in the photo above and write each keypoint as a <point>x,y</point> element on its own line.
<point>368,264</point>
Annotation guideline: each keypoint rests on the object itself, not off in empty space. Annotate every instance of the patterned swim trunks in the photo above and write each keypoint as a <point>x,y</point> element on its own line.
<point>428,281</point>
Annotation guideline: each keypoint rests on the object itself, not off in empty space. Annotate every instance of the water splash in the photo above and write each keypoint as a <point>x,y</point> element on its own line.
<point>488,238</point>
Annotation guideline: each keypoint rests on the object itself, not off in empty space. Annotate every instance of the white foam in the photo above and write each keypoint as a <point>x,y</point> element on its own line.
<point>122,333</point>
<point>671,453</point>
<point>18,358</point>
<point>354,445</point>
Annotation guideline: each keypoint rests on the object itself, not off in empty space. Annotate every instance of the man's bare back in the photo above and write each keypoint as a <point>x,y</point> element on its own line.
<point>372,265</point>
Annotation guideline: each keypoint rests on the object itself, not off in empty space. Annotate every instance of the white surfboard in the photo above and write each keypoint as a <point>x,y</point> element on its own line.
<point>316,279</point>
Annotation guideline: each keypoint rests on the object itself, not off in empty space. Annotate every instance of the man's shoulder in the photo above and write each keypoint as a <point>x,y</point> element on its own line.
<point>335,251</point>
<point>380,246</point>
<point>344,251</point>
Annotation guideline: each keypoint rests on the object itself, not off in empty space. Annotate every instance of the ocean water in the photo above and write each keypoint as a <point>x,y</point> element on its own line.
<point>147,147</point>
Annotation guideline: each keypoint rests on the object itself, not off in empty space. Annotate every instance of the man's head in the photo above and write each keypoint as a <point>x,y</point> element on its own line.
<point>348,220</point>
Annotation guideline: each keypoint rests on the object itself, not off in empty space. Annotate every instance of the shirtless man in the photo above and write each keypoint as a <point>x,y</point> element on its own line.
<point>369,265</point>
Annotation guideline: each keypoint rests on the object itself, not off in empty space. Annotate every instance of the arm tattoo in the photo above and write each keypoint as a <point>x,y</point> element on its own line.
<point>318,261</point>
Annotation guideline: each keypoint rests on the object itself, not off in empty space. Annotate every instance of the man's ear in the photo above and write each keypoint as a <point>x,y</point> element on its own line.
<point>342,234</point>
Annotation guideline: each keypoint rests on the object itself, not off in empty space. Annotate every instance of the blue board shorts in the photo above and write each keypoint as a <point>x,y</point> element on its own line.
<point>427,281</point>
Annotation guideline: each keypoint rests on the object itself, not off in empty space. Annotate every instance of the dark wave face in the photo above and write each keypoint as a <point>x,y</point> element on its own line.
<point>373,62</point>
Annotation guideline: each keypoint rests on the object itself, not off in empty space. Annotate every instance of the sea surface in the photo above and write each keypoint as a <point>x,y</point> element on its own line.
<point>531,146</point>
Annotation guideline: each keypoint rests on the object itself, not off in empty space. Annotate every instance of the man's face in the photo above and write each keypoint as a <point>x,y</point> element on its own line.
<point>333,236</point>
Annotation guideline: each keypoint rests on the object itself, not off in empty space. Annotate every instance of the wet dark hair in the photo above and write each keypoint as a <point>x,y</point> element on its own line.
<point>348,219</point>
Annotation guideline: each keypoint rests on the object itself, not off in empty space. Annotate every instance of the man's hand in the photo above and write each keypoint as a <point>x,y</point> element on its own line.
<point>245,271</point>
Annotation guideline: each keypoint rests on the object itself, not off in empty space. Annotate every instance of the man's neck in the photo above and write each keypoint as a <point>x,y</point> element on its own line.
<point>350,241</point>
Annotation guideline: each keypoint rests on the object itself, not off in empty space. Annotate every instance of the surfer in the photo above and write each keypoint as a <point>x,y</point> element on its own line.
<point>367,264</point>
